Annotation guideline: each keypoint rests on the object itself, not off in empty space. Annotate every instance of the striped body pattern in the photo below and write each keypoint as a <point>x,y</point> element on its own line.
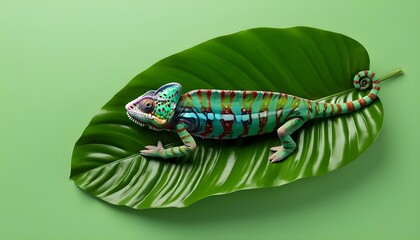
<point>229,114</point>
<point>224,114</point>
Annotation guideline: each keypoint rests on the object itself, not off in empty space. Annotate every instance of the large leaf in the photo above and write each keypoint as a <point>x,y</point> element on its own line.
<point>301,61</point>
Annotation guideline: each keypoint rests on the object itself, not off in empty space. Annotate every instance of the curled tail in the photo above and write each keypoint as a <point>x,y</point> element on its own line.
<point>361,81</point>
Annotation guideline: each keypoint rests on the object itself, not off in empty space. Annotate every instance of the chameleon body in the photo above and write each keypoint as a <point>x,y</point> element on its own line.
<point>228,114</point>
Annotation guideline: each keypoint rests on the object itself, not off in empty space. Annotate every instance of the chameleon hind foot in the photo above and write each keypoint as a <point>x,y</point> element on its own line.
<point>288,145</point>
<point>280,153</point>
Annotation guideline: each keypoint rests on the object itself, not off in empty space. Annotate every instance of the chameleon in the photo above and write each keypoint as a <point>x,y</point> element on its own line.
<point>230,114</point>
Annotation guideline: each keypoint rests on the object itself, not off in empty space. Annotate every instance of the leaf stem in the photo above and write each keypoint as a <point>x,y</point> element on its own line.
<point>390,75</point>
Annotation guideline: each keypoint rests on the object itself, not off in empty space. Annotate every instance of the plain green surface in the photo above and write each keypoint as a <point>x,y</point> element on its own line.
<point>60,61</point>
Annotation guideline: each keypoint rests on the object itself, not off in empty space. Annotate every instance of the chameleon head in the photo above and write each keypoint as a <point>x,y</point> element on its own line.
<point>155,108</point>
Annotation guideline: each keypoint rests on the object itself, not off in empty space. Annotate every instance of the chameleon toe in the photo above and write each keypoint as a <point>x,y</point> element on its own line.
<point>275,149</point>
<point>272,157</point>
<point>280,154</point>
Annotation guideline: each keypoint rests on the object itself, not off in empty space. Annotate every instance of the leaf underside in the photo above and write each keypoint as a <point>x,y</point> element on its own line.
<point>302,61</point>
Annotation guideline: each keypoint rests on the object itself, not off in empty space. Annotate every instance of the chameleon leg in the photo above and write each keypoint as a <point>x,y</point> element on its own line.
<point>159,151</point>
<point>288,145</point>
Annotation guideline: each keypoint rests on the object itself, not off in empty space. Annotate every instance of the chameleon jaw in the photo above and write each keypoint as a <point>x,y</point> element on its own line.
<point>148,116</point>
<point>135,120</point>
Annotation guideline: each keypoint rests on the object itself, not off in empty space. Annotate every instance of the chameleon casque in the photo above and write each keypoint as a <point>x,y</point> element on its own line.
<point>228,114</point>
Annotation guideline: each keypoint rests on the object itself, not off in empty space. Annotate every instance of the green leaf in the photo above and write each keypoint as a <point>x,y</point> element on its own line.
<point>301,61</point>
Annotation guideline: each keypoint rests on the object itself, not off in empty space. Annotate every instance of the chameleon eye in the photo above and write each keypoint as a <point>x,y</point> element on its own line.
<point>147,105</point>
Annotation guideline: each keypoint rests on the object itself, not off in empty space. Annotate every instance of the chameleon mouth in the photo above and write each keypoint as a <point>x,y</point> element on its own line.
<point>135,120</point>
<point>148,116</point>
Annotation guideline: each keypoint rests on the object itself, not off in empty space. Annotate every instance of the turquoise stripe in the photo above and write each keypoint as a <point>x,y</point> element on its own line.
<point>328,111</point>
<point>374,91</point>
<point>254,127</point>
<point>217,127</point>
<point>256,105</point>
<point>356,105</point>
<point>343,108</point>
<point>237,103</point>
<point>211,116</point>
<point>335,108</point>
<point>237,128</point>
<point>367,100</point>
<point>216,102</point>
<point>271,122</point>
<point>273,103</point>
<point>196,102</point>
<point>313,114</point>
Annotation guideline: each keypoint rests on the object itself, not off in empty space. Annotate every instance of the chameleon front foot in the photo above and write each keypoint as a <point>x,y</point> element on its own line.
<point>153,151</point>
<point>280,153</point>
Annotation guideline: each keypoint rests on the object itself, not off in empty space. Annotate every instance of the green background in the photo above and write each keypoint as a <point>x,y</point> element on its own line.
<point>60,61</point>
